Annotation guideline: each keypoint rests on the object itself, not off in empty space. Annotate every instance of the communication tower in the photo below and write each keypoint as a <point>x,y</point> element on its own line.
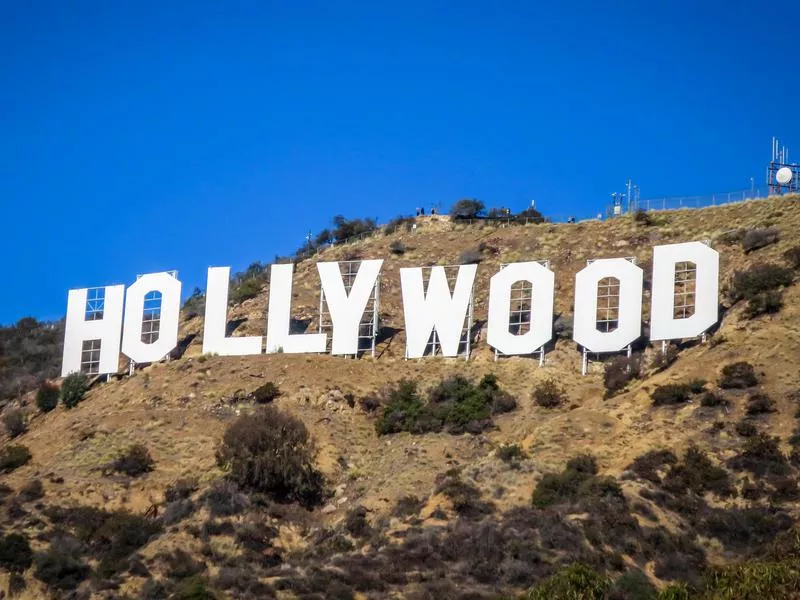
<point>783,177</point>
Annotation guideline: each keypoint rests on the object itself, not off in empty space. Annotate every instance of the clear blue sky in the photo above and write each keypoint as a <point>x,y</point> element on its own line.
<point>143,136</point>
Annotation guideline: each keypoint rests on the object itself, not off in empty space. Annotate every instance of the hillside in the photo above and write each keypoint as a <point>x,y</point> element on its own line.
<point>465,526</point>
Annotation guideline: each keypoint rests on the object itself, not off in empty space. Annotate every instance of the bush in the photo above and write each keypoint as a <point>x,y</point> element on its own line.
<point>530,215</point>
<point>642,217</point>
<point>224,499</point>
<point>61,566</point>
<point>33,490</point>
<point>110,537</point>
<point>758,279</point>
<point>15,553</point>
<point>759,403</point>
<point>266,393</point>
<point>633,585</point>
<point>356,523</point>
<point>397,247</point>
<point>466,498</point>
<point>548,394</point>
<point>466,209</point>
<point>471,256</point>
<point>648,465</point>
<point>74,389</point>
<point>247,289</point>
<point>671,393</point>
<point>578,480</point>
<point>792,256</point>
<point>271,452</point>
<point>194,588</point>
<point>761,456</point>
<point>133,462</point>
<point>511,454</point>
<point>180,489</point>
<point>763,303</point>
<point>455,403</point>
<point>398,224</point>
<point>13,457</point>
<point>746,428</point>
<point>408,506</point>
<point>578,582</point>
<point>696,473</point>
<point>738,375</point>
<point>14,422</point>
<point>619,372</point>
<point>47,396</point>
<point>713,398</point>
<point>760,238</point>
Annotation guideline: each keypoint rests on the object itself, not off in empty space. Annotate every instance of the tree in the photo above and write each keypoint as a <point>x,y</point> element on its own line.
<point>466,209</point>
<point>272,452</point>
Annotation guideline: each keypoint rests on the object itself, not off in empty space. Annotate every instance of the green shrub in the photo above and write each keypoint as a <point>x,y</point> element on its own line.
<point>575,582</point>
<point>272,452</point>
<point>738,375</point>
<point>134,461</point>
<point>548,394</point>
<point>47,396</point>
<point>266,393</point>
<point>194,588</point>
<point>74,389</point>
<point>14,422</point>
<point>247,289</point>
<point>753,580</point>
<point>758,279</point>
<point>755,239</point>
<point>633,585</point>
<point>13,457</point>
<point>15,553</point>
<point>671,393</point>
<point>455,404</point>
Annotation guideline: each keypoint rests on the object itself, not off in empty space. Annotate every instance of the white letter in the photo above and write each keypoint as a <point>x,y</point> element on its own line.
<point>435,309</point>
<point>541,314</point>
<point>663,324</point>
<point>106,329</point>
<point>132,345</point>
<point>629,326</point>
<point>216,319</point>
<point>280,307</point>
<point>346,309</point>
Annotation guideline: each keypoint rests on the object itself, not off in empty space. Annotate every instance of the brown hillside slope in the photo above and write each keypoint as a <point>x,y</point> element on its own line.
<point>180,409</point>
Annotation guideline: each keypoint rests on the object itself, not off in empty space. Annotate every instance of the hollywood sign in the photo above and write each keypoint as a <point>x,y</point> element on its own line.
<point>95,336</point>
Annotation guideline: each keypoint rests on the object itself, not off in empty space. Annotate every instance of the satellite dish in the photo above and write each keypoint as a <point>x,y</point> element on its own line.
<point>784,175</point>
